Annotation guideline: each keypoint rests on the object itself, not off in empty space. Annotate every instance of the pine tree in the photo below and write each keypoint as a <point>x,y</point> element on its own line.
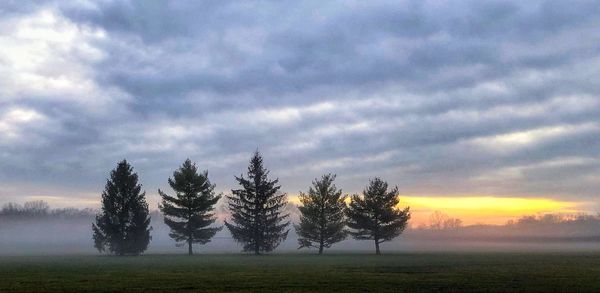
<point>257,218</point>
<point>123,225</point>
<point>322,215</point>
<point>375,215</point>
<point>190,211</point>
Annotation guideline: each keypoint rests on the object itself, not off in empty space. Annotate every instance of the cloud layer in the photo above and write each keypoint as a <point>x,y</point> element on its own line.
<point>441,98</point>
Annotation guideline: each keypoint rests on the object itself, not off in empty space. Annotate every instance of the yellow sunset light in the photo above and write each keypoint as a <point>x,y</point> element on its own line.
<point>485,209</point>
<point>489,204</point>
<point>481,209</point>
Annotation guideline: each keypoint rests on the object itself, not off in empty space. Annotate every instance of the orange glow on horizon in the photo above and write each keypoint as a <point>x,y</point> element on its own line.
<point>485,209</point>
<point>481,209</point>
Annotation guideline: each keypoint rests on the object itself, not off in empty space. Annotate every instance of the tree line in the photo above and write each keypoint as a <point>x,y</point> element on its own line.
<point>40,209</point>
<point>257,218</point>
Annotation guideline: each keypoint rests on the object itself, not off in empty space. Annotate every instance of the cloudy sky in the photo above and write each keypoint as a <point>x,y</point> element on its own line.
<point>489,107</point>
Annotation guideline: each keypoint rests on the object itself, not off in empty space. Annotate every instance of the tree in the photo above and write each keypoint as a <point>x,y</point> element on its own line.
<point>123,225</point>
<point>12,209</point>
<point>257,218</point>
<point>375,215</point>
<point>322,219</point>
<point>441,221</point>
<point>190,211</point>
<point>36,208</point>
<point>31,209</point>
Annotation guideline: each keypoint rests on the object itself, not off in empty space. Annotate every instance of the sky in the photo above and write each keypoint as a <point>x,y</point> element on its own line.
<point>485,110</point>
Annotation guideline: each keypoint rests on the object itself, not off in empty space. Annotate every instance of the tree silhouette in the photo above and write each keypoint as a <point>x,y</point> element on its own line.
<point>190,211</point>
<point>375,215</point>
<point>40,209</point>
<point>123,225</point>
<point>322,215</point>
<point>257,219</point>
<point>441,221</point>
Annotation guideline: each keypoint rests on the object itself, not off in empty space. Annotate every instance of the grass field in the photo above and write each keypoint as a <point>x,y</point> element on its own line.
<point>546,272</point>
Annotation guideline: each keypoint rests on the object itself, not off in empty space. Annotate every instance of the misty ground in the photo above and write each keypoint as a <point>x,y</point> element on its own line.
<point>52,251</point>
<point>68,232</point>
<point>410,272</point>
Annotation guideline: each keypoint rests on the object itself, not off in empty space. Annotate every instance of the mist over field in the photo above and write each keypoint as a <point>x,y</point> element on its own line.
<point>68,231</point>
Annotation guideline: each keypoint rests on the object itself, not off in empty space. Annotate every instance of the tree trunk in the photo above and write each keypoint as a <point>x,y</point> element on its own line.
<point>121,247</point>
<point>321,243</point>
<point>190,233</point>
<point>377,247</point>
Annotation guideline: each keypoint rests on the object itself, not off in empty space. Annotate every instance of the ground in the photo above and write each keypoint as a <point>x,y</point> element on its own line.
<point>414,272</point>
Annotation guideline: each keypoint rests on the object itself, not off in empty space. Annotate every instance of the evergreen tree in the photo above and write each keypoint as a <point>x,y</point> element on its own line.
<point>190,211</point>
<point>257,218</point>
<point>375,215</point>
<point>322,215</point>
<point>123,225</point>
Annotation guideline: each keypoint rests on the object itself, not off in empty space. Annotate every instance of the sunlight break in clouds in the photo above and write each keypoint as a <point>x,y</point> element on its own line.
<point>44,54</point>
<point>515,140</point>
<point>14,120</point>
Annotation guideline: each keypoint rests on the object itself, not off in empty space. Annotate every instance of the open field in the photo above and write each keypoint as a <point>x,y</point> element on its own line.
<point>543,272</point>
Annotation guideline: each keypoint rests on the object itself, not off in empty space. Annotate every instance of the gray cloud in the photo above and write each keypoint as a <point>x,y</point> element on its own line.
<point>475,97</point>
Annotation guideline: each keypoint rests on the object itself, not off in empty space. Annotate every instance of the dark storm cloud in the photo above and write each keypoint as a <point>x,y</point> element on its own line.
<point>471,97</point>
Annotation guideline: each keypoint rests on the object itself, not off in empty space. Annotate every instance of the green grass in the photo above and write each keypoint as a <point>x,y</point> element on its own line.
<point>543,272</point>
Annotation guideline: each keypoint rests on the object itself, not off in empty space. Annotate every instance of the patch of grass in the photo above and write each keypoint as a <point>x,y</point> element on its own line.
<point>491,272</point>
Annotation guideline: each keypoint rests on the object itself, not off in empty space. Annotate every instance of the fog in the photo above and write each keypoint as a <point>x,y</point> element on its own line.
<point>35,229</point>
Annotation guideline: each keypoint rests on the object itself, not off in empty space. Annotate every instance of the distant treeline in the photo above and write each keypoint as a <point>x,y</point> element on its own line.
<point>438,220</point>
<point>68,231</point>
<point>552,219</point>
<point>531,223</point>
<point>41,209</point>
<point>543,228</point>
